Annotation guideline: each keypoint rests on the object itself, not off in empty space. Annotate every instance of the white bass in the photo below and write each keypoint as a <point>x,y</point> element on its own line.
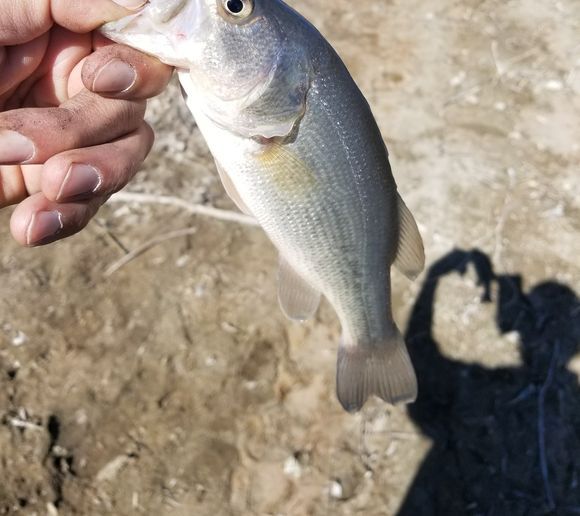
<point>297,147</point>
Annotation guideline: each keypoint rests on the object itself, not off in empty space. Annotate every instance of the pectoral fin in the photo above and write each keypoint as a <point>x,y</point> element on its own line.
<point>231,190</point>
<point>410,258</point>
<point>298,300</point>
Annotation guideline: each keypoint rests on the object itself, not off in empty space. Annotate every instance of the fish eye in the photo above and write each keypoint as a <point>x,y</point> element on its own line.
<point>237,9</point>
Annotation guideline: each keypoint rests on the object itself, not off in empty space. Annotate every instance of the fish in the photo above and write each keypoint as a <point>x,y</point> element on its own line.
<point>297,147</point>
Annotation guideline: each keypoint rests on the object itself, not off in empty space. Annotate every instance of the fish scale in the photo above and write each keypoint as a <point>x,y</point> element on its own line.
<point>297,146</point>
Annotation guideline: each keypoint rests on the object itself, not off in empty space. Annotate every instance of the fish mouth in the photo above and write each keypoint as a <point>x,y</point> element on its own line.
<point>168,38</point>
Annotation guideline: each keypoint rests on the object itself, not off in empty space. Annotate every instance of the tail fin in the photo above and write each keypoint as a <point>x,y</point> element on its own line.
<point>383,369</point>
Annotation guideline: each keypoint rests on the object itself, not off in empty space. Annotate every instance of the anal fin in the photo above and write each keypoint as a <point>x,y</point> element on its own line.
<point>410,259</point>
<point>298,300</point>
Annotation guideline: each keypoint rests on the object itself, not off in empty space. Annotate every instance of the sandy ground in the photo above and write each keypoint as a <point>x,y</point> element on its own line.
<point>174,386</point>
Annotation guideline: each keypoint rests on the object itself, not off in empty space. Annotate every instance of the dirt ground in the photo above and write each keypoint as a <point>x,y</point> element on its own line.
<point>174,385</point>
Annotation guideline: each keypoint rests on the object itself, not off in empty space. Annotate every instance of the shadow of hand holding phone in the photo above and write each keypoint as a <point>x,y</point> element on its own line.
<point>506,441</point>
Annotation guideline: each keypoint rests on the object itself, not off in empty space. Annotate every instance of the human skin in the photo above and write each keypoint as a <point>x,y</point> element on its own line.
<point>71,113</point>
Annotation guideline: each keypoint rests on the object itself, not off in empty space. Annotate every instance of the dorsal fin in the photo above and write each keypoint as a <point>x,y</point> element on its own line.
<point>410,259</point>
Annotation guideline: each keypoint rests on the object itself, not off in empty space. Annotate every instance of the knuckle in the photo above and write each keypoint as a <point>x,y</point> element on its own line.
<point>123,173</point>
<point>131,113</point>
<point>110,118</point>
<point>23,20</point>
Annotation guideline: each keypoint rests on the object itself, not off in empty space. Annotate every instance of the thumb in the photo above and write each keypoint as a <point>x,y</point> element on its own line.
<point>22,21</point>
<point>86,15</point>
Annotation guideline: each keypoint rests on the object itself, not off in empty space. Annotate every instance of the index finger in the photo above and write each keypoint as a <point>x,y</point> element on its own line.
<point>121,72</point>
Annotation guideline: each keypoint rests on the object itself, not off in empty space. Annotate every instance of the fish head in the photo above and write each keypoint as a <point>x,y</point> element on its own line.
<point>229,46</point>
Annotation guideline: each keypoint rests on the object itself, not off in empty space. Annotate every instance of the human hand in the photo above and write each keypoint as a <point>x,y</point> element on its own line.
<point>71,113</point>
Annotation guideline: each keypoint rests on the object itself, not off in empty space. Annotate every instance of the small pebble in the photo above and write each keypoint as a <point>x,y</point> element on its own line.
<point>336,490</point>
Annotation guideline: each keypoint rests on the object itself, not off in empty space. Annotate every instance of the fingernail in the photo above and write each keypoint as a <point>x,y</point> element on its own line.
<point>44,227</point>
<point>80,180</point>
<point>14,148</point>
<point>114,77</point>
<point>130,4</point>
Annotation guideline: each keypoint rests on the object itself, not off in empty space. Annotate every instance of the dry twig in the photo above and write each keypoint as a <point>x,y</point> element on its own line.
<point>180,233</point>
<point>196,209</point>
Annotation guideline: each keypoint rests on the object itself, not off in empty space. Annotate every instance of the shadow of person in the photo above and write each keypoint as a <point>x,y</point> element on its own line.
<point>506,441</point>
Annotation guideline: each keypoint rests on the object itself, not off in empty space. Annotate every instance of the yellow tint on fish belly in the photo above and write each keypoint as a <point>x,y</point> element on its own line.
<point>286,171</point>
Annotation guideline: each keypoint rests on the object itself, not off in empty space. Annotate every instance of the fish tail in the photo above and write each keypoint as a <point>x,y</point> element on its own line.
<point>382,369</point>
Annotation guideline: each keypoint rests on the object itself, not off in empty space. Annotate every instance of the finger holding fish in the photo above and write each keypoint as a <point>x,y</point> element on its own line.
<point>120,72</point>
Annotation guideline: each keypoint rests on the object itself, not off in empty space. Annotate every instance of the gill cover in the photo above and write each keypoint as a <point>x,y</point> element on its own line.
<point>251,76</point>
<point>275,105</point>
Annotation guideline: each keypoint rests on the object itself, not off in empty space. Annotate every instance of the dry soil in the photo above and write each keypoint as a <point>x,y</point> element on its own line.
<point>174,386</point>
